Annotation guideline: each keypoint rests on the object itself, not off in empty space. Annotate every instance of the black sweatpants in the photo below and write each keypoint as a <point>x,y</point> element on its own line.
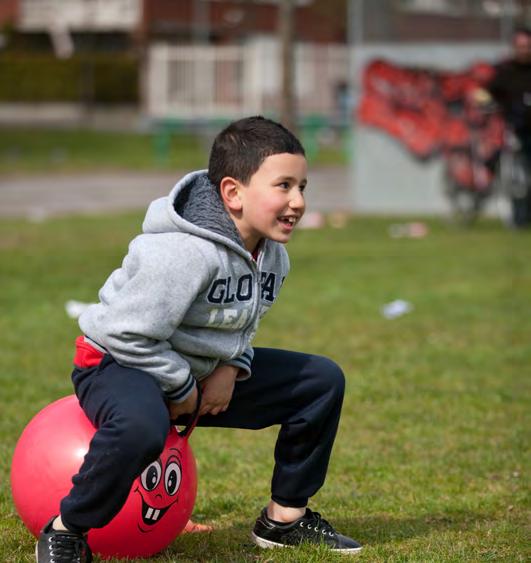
<point>302,393</point>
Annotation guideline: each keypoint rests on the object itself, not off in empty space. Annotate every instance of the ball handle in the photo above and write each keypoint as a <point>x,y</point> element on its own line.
<point>194,417</point>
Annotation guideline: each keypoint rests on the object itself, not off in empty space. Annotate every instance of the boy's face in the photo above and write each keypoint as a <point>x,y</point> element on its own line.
<point>272,203</point>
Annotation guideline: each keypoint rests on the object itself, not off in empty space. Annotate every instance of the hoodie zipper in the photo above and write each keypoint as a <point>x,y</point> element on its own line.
<point>250,327</point>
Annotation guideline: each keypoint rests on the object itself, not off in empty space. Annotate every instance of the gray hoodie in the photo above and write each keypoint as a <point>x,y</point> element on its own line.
<point>188,296</point>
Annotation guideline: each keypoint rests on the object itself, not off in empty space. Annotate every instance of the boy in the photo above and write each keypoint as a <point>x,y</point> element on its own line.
<point>181,312</point>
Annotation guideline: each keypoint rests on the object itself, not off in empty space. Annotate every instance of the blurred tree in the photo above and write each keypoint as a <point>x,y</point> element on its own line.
<point>286,38</point>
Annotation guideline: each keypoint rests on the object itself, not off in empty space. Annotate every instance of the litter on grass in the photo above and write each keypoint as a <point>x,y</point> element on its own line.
<point>318,220</point>
<point>37,215</point>
<point>338,219</point>
<point>75,308</point>
<point>396,309</point>
<point>408,230</point>
<point>312,220</point>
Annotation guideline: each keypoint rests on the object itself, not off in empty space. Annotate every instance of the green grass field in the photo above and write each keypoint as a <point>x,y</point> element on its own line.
<point>431,461</point>
<point>37,151</point>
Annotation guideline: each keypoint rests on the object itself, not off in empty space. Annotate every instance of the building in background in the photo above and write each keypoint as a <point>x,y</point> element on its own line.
<point>222,22</point>
<point>197,59</point>
<point>127,22</point>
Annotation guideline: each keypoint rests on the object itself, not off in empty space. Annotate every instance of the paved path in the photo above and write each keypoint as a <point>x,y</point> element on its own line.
<point>38,197</point>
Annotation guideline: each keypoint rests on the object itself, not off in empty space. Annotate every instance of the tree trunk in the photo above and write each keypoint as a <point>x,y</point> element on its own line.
<point>286,36</point>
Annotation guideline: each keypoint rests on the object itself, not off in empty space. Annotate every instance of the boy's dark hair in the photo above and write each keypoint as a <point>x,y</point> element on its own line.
<point>239,150</point>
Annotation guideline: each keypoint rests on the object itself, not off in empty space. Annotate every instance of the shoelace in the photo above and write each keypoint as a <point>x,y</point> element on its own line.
<point>319,524</point>
<point>65,547</point>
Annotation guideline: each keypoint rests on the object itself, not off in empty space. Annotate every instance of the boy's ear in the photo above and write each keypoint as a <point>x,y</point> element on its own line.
<point>229,189</point>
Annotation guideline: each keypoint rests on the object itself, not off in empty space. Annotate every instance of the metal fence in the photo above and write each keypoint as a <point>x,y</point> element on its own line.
<point>198,82</point>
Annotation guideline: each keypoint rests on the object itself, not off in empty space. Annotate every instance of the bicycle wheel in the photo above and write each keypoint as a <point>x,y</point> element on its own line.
<point>466,205</point>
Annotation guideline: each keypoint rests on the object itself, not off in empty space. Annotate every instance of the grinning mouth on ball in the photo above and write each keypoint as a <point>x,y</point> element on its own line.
<point>150,514</point>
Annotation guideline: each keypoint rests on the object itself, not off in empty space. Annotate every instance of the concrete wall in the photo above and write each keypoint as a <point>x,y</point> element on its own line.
<point>385,177</point>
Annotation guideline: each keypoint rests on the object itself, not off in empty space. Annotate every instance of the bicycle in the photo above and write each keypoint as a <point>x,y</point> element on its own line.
<point>471,159</point>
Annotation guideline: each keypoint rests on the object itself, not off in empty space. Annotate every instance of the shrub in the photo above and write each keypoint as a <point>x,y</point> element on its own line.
<point>100,79</point>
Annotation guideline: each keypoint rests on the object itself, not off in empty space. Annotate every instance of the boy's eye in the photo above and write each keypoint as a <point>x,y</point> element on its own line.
<point>284,185</point>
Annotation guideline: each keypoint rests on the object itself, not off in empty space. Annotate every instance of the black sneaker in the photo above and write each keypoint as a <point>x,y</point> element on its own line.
<point>311,528</point>
<point>56,546</point>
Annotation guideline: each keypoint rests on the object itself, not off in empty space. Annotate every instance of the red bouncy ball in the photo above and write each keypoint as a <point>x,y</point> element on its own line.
<point>51,450</point>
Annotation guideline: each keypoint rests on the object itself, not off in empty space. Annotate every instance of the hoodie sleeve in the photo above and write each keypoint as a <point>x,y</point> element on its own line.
<point>243,362</point>
<point>143,302</point>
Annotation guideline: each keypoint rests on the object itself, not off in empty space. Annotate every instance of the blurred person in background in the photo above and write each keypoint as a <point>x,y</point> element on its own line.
<point>511,90</point>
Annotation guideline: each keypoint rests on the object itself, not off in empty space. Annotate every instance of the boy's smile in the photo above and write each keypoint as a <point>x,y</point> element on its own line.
<point>272,203</point>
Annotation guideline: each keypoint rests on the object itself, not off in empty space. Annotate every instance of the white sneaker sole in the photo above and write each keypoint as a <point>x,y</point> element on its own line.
<point>267,544</point>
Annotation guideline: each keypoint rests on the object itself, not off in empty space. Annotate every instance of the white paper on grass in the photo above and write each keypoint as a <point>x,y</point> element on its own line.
<point>75,308</point>
<point>396,308</point>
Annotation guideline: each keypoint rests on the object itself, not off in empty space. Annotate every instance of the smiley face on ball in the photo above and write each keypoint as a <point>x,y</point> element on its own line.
<point>158,486</point>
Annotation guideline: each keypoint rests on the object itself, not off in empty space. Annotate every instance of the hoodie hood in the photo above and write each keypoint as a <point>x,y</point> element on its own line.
<point>194,207</point>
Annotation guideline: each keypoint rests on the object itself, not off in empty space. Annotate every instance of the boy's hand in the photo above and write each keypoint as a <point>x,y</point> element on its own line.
<point>217,390</point>
<point>186,407</point>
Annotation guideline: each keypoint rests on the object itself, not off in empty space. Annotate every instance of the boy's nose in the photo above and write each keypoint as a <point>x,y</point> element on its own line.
<point>297,200</point>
